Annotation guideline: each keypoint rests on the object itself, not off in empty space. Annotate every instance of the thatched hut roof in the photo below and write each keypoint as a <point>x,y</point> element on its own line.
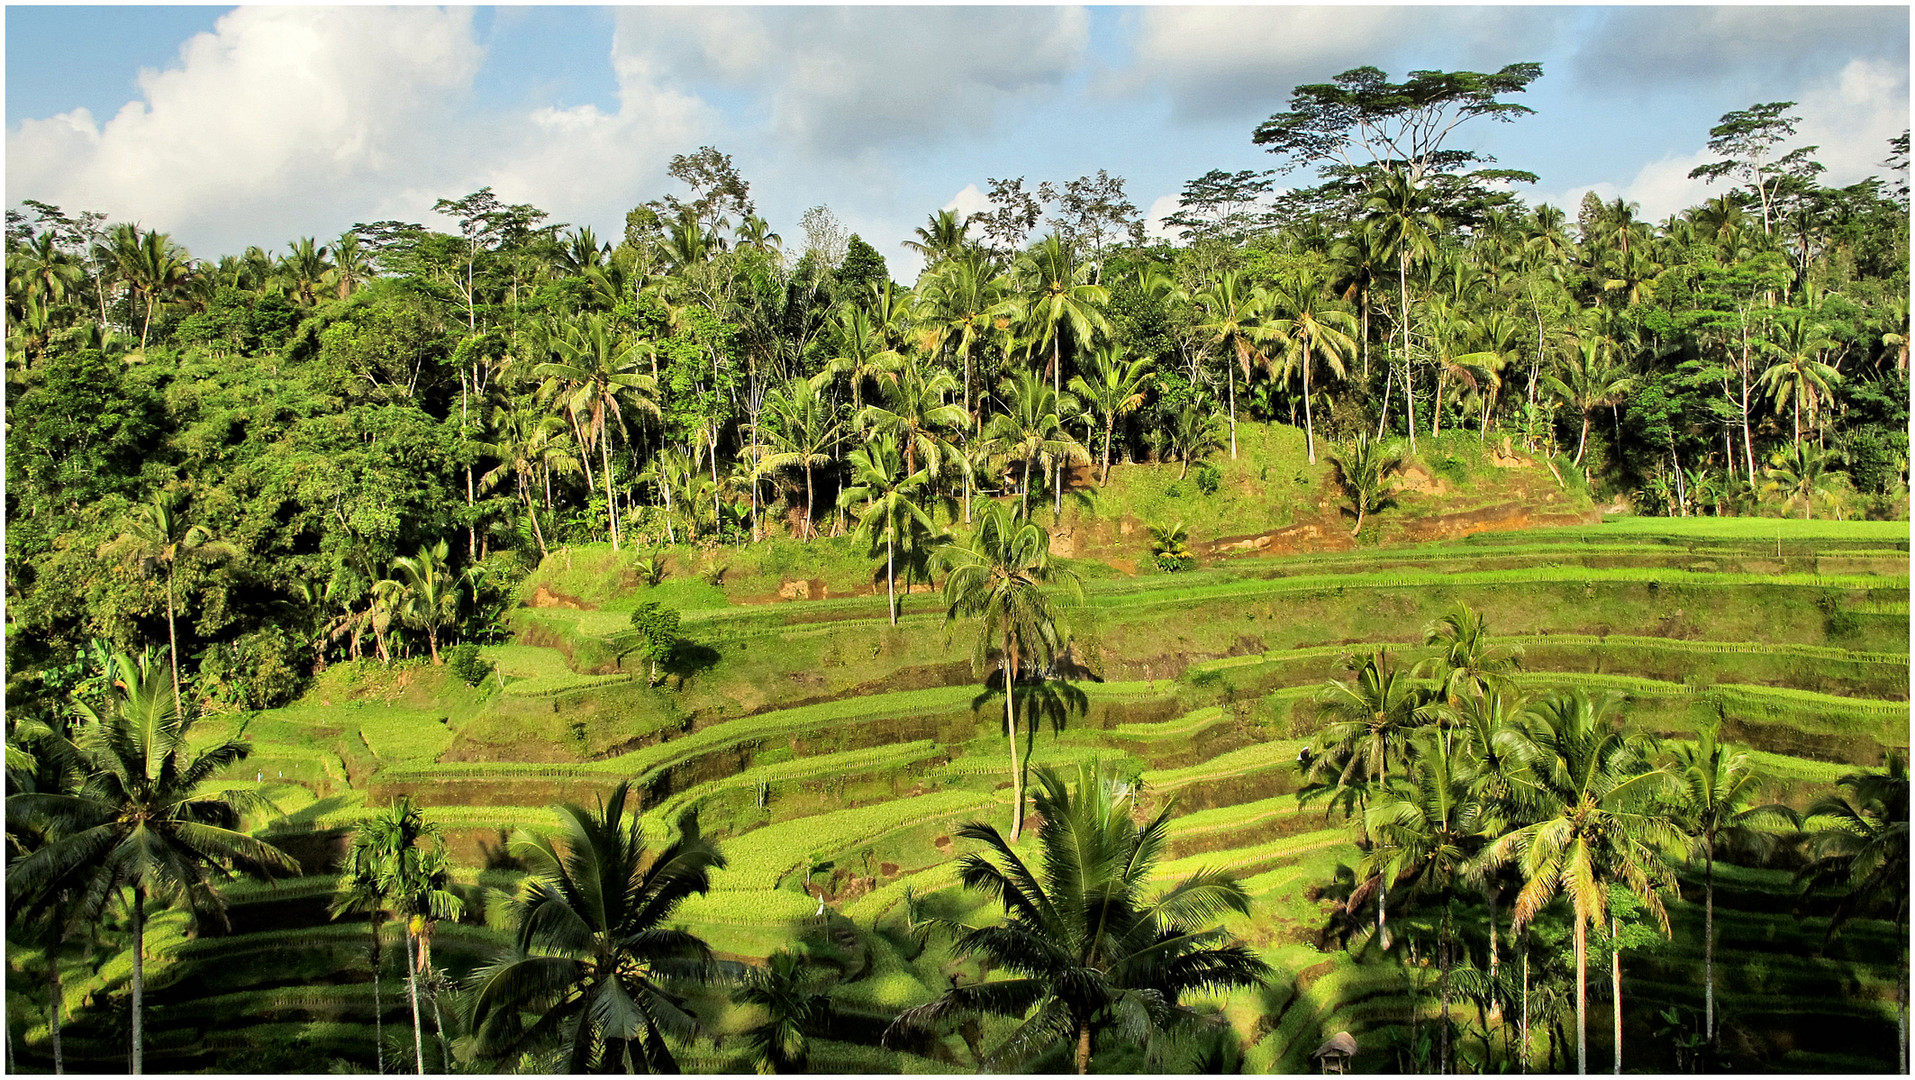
<point>1338,1045</point>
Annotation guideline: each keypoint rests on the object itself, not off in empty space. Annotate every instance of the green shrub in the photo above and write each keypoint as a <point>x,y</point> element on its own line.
<point>1209,478</point>
<point>466,665</point>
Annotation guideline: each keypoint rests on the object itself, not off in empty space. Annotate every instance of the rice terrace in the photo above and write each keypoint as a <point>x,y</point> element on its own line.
<point>1351,615</point>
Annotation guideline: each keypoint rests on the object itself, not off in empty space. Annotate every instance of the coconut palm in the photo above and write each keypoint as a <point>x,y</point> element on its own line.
<point>862,353</point>
<point>142,820</point>
<point>962,302</point>
<point>1860,855</point>
<point>1372,715</point>
<point>599,377</point>
<point>42,759</point>
<point>1086,950</point>
<point>939,238</point>
<point>1058,299</point>
<point>1800,379</point>
<point>1031,432</point>
<point>1584,793</point>
<point>802,432</point>
<point>1003,575</point>
<point>597,963</point>
<point>1589,381</point>
<point>150,264</point>
<point>397,865</point>
<point>1364,470</point>
<point>1191,434</point>
<point>795,1009</point>
<point>425,593</point>
<point>304,270</point>
<point>1715,800</point>
<point>917,411</point>
<point>1236,322</point>
<point>1111,386</point>
<point>1802,473</point>
<point>884,496</point>
<point>1426,828</point>
<point>156,534</point>
<point>1469,662</point>
<point>1310,328</point>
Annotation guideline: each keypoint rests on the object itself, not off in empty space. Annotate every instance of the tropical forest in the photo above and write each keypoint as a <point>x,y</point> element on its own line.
<point>1383,624</point>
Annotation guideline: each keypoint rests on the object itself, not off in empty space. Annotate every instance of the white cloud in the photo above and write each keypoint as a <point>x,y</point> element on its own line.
<point>277,107</point>
<point>838,81</point>
<point>1225,63</point>
<point>1160,208</point>
<point>1646,50</point>
<point>1849,118</point>
<point>969,201</point>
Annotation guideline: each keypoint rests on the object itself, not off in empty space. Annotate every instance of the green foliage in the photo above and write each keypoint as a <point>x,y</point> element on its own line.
<point>657,628</point>
<point>1209,478</point>
<point>465,664</point>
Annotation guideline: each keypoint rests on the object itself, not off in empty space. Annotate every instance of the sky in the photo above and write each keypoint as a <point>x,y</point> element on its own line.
<point>227,127</point>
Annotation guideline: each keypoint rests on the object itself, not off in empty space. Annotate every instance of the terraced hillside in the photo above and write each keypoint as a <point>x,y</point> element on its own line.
<point>813,732</point>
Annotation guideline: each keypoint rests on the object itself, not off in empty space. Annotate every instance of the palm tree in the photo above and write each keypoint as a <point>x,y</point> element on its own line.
<point>156,534</point>
<point>304,270</point>
<point>1363,471</point>
<point>803,430</point>
<point>785,988</point>
<point>1374,712</point>
<point>918,413</point>
<point>939,238</point>
<point>1236,323</point>
<point>1714,799</point>
<point>1112,386</point>
<point>599,374</point>
<point>427,594</point>
<point>1427,828</point>
<point>1030,431</point>
<point>1589,381</point>
<point>1800,378</point>
<point>1861,855</point>
<point>1801,473</point>
<point>352,264</point>
<point>596,959</point>
<point>1584,794</point>
<point>141,820</point>
<point>397,864</point>
<point>42,758</point>
<point>1310,328</point>
<point>1005,577</point>
<point>1192,434</point>
<point>1469,661</point>
<point>1059,299</point>
<point>1085,948</point>
<point>150,264</point>
<point>962,301</point>
<point>885,493</point>
<point>529,440</point>
<point>862,353</point>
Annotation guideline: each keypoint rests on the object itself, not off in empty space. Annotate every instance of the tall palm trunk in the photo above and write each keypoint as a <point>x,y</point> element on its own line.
<point>412,992</point>
<point>1709,945</point>
<point>376,955</point>
<point>1010,719</point>
<point>139,978</point>
<point>611,503</point>
<point>532,511</point>
<point>1403,289</point>
<point>56,997</point>
<point>173,642</point>
<point>808,499</point>
<point>1582,994</point>
<point>1443,993</point>
<point>1230,375</point>
<point>1083,1049</point>
<point>1110,424</point>
<point>1615,985</point>
<point>1523,1027</point>
<point>1495,996</point>
<point>1309,429</point>
<point>890,574</point>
